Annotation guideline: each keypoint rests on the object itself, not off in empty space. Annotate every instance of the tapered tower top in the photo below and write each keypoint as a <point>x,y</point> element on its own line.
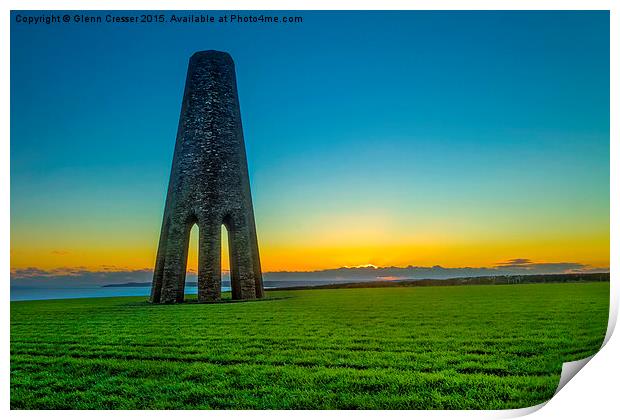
<point>211,54</point>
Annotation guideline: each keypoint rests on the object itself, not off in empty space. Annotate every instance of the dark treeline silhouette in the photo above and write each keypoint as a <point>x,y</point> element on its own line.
<point>465,281</point>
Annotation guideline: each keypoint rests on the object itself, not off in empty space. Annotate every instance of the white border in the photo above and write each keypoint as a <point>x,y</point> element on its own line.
<point>592,394</point>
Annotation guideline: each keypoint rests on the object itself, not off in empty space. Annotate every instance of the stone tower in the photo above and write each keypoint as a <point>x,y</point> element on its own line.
<point>209,186</point>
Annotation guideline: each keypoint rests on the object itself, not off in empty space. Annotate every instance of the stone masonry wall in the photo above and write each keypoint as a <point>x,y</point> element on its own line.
<point>209,186</point>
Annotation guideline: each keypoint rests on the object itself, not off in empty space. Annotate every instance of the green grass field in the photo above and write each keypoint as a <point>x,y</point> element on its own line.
<point>392,348</point>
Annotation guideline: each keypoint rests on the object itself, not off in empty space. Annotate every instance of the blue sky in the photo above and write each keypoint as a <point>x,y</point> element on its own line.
<point>386,138</point>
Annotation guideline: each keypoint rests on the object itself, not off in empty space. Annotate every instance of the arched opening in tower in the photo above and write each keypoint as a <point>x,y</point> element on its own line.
<point>191,276</point>
<point>193,263</point>
<point>225,261</point>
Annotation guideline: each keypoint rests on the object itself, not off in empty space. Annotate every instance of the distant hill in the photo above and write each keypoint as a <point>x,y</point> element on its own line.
<point>458,281</point>
<point>465,281</point>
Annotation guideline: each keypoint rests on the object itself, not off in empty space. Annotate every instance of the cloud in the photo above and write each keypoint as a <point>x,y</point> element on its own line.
<point>31,272</point>
<point>28,272</point>
<point>389,278</point>
<point>60,252</point>
<point>515,262</point>
<point>63,277</point>
<point>33,277</point>
<point>526,264</point>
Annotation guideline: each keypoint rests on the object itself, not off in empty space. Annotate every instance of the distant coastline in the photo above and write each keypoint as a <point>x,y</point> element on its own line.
<point>142,284</point>
<point>476,280</point>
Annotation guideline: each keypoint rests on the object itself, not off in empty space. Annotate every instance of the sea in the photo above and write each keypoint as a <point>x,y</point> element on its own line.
<point>140,289</point>
<point>18,293</point>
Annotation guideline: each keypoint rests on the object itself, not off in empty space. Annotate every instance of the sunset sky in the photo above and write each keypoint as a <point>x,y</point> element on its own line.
<point>460,139</point>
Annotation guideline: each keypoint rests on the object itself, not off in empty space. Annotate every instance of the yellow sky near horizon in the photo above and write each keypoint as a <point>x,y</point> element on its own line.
<point>591,250</point>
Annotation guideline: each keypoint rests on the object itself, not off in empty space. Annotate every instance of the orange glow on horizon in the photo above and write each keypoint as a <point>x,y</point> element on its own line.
<point>593,251</point>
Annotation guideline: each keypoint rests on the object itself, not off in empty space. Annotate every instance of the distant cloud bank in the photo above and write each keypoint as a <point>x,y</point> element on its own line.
<point>33,277</point>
